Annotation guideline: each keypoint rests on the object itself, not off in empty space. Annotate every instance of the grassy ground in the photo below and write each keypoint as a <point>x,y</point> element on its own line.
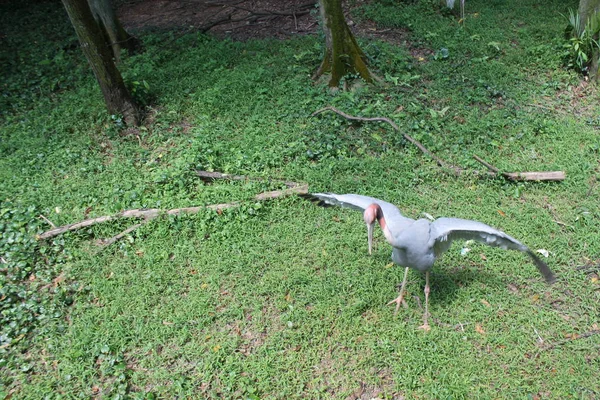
<point>280,299</point>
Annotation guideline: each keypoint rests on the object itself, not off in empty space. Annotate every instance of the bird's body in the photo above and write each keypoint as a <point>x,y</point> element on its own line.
<point>418,243</point>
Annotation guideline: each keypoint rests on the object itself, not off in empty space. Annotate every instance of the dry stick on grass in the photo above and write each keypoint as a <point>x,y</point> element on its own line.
<point>514,176</point>
<point>524,176</point>
<point>149,214</point>
<point>206,175</point>
<point>555,217</point>
<point>48,221</point>
<point>575,336</point>
<point>419,145</point>
<point>108,242</point>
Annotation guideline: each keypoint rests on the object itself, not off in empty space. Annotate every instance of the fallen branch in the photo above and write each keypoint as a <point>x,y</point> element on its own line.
<point>151,213</point>
<point>208,176</point>
<point>513,176</point>
<point>47,220</point>
<point>414,141</point>
<point>524,176</point>
<point>108,242</point>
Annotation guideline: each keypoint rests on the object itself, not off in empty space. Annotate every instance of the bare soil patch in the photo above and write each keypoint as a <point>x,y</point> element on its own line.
<point>240,20</point>
<point>244,19</point>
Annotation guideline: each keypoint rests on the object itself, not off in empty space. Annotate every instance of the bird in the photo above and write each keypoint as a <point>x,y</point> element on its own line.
<point>417,244</point>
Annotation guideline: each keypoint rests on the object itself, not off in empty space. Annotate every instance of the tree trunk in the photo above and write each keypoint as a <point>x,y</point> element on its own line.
<point>342,56</point>
<point>588,9</point>
<point>116,96</point>
<point>113,32</point>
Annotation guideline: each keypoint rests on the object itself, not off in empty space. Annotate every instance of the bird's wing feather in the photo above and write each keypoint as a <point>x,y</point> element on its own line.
<point>445,230</point>
<point>393,217</point>
<point>449,229</point>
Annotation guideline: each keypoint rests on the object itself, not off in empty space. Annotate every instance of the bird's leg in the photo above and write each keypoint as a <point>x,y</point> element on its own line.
<point>425,325</point>
<point>400,299</point>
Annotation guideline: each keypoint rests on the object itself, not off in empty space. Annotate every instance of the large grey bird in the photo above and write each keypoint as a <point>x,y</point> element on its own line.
<point>419,243</point>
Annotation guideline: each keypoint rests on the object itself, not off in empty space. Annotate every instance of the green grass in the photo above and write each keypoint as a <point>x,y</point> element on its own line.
<point>280,299</point>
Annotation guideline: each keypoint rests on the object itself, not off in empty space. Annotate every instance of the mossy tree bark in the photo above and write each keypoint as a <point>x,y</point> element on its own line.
<point>342,56</point>
<point>113,32</point>
<point>588,9</point>
<point>117,98</point>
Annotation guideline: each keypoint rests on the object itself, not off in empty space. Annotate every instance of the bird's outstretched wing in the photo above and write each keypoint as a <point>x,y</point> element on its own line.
<point>445,230</point>
<point>393,217</point>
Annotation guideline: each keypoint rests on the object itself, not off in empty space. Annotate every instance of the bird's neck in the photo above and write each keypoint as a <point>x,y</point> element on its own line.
<point>381,219</point>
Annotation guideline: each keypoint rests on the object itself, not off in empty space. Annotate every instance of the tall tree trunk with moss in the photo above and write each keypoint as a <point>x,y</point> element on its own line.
<point>589,9</point>
<point>343,56</point>
<point>113,32</point>
<point>117,98</point>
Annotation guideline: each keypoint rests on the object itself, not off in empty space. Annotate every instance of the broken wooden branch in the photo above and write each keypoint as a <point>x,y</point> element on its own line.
<point>208,176</point>
<point>513,176</point>
<point>414,141</point>
<point>47,221</point>
<point>151,213</point>
<point>108,242</point>
<point>524,176</point>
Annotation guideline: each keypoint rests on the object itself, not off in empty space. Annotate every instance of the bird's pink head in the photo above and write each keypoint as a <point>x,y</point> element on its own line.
<point>374,213</point>
<point>371,213</point>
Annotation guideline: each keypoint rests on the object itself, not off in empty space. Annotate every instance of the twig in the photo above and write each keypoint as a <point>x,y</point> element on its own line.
<point>524,176</point>
<point>295,21</point>
<point>540,340</point>
<point>563,224</point>
<point>417,300</point>
<point>48,221</point>
<point>591,267</point>
<point>206,175</point>
<point>513,176</point>
<point>460,325</point>
<point>555,217</point>
<point>487,165</point>
<point>574,337</point>
<point>552,109</point>
<point>108,242</point>
<point>552,176</point>
<point>412,140</point>
<point>148,214</point>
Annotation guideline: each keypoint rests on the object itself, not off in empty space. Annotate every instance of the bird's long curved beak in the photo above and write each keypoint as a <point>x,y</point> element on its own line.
<point>370,236</point>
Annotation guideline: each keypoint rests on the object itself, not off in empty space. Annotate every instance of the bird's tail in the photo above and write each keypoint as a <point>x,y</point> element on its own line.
<point>542,267</point>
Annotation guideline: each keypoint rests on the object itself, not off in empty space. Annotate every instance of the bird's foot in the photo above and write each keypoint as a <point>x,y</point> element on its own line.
<point>398,300</point>
<point>425,325</point>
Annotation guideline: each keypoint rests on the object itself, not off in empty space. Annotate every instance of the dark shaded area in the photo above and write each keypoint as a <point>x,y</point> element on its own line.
<point>240,20</point>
